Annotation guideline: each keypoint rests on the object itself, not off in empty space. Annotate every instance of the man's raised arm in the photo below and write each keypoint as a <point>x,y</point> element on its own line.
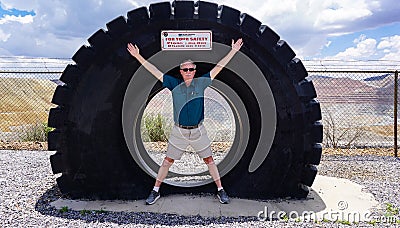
<point>222,63</point>
<point>134,51</point>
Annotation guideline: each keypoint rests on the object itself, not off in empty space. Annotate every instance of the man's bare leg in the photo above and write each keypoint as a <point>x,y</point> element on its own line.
<point>213,169</point>
<point>161,175</point>
<point>163,171</point>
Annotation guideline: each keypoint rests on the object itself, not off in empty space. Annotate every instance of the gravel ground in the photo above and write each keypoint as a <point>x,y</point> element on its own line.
<point>28,186</point>
<point>380,175</point>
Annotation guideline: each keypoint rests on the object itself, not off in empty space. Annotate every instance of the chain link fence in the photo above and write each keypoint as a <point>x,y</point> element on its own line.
<point>157,122</point>
<point>26,89</point>
<point>357,101</point>
<point>357,107</point>
<point>218,117</point>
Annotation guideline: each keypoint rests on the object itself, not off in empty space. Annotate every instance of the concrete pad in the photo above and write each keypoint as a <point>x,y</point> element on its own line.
<point>330,198</point>
<point>344,199</point>
<point>181,205</point>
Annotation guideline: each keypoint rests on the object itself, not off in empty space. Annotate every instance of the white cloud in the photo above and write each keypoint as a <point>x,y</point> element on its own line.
<point>4,36</point>
<point>58,28</point>
<point>335,14</point>
<point>19,4</point>
<point>390,47</point>
<point>307,24</point>
<point>20,19</point>
<point>365,49</point>
<point>328,43</point>
<point>360,39</point>
<point>63,26</point>
<point>390,42</point>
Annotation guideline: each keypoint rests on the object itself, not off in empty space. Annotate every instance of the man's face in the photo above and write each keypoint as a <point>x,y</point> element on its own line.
<point>188,70</point>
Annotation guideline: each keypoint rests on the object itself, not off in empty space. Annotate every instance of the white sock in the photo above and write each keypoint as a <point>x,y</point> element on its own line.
<point>156,188</point>
<point>219,189</point>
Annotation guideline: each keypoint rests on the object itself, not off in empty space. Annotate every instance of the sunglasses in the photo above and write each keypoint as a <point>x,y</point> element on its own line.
<point>188,69</point>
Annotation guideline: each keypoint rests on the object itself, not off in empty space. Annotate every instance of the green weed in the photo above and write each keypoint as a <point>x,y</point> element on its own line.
<point>154,128</point>
<point>38,132</point>
<point>64,209</point>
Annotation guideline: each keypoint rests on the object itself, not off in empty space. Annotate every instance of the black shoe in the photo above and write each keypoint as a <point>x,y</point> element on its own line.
<point>153,197</point>
<point>223,197</point>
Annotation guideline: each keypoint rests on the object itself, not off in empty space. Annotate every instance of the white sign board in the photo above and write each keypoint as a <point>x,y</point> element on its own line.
<point>186,40</point>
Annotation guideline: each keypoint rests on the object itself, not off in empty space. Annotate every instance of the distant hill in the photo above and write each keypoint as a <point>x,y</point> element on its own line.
<point>383,81</point>
<point>312,77</point>
<point>377,78</point>
<point>27,101</point>
<point>347,90</point>
<point>24,101</point>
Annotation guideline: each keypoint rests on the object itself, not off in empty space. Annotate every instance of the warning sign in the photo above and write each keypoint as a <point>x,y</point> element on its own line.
<point>186,40</point>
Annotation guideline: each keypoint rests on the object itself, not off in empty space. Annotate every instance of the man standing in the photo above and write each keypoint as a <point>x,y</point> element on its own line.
<point>188,108</point>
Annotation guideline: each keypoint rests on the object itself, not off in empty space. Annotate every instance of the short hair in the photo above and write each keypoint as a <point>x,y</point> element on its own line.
<point>186,61</point>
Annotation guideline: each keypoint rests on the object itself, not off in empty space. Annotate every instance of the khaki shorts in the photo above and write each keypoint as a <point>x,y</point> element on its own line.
<point>181,138</point>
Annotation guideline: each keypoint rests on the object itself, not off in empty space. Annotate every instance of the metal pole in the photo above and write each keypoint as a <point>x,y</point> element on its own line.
<point>396,77</point>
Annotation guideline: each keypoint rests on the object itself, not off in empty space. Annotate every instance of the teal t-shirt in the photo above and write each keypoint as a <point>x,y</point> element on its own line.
<point>188,101</point>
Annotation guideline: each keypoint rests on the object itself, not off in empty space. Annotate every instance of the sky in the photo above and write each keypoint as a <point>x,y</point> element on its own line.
<point>315,29</point>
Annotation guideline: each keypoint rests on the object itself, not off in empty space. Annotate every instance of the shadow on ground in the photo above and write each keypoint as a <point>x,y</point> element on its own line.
<point>162,215</point>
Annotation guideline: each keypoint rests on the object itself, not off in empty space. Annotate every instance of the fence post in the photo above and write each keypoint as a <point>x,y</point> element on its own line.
<point>396,77</point>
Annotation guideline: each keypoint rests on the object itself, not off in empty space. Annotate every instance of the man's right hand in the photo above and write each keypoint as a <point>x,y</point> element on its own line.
<point>237,45</point>
<point>133,50</point>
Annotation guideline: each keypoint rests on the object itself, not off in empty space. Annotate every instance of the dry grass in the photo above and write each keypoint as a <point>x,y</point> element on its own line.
<point>216,147</point>
<point>386,130</point>
<point>358,151</point>
<point>24,101</point>
<point>28,101</point>
<point>37,146</point>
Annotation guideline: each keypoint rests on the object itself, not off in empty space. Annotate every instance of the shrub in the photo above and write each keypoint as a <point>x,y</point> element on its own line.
<point>336,136</point>
<point>154,129</point>
<point>37,132</point>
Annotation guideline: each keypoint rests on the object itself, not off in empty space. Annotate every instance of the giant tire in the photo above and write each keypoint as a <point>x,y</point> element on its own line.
<point>92,153</point>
